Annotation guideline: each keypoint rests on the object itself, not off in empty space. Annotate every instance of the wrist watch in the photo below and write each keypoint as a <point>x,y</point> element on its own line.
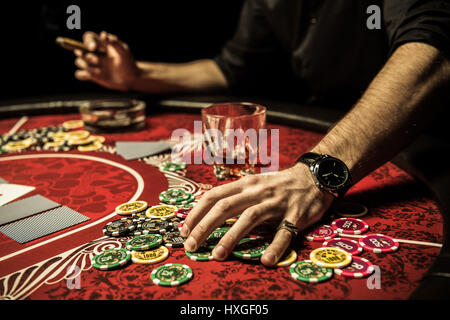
<point>329,173</point>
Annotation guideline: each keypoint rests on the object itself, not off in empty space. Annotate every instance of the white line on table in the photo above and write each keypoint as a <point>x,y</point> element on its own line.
<point>18,125</point>
<point>423,243</point>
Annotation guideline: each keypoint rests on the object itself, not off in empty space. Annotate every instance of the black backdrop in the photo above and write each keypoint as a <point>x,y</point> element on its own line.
<point>165,30</point>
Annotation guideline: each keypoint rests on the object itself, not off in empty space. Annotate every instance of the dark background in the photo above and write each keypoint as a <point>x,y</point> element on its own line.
<point>168,30</point>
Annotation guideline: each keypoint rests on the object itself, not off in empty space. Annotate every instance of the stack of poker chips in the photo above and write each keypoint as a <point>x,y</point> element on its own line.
<point>66,137</point>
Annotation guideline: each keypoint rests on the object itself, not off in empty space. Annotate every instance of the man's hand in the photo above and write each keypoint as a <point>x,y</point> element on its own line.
<point>286,195</point>
<point>115,70</point>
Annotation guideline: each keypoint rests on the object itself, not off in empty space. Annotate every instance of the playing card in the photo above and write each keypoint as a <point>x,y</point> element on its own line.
<point>130,150</point>
<point>10,192</point>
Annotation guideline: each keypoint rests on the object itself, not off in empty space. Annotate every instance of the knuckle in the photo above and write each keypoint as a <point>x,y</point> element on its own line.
<point>223,205</point>
<point>252,214</point>
<point>251,179</point>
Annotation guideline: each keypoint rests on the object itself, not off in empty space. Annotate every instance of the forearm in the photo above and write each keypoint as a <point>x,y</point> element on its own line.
<point>196,76</point>
<point>395,108</point>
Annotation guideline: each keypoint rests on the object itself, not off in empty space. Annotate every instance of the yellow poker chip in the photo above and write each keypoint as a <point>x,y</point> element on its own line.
<point>330,257</point>
<point>126,209</point>
<point>150,256</point>
<point>90,147</point>
<point>16,146</point>
<point>288,258</point>
<point>163,211</point>
<point>350,209</point>
<point>73,124</point>
<point>80,142</point>
<point>58,136</point>
<point>77,135</point>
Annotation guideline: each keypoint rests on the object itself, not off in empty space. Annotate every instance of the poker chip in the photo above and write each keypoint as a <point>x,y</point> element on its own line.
<point>144,242</point>
<point>119,227</point>
<point>176,196</point>
<point>330,257</point>
<point>229,222</point>
<point>307,271</point>
<point>185,207</point>
<point>53,145</point>
<point>131,207</point>
<point>322,233</point>
<point>173,239</point>
<point>154,226</point>
<point>202,254</point>
<point>215,236</point>
<point>150,256</point>
<point>350,209</point>
<point>379,243</point>
<point>172,166</point>
<point>76,135</point>
<point>73,124</point>
<point>181,215</point>
<point>250,248</point>
<point>289,257</point>
<point>175,221</point>
<point>163,211</point>
<point>111,259</point>
<point>180,225</point>
<point>359,268</point>
<point>98,139</point>
<point>94,146</point>
<point>351,246</point>
<point>139,216</point>
<point>171,274</point>
<point>350,225</point>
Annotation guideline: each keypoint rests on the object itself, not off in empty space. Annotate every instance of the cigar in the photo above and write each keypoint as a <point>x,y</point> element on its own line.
<point>70,44</point>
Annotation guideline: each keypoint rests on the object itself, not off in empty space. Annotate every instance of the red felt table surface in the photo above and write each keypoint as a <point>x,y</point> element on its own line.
<point>95,183</point>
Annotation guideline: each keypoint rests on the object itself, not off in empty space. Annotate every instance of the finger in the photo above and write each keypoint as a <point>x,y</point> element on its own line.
<point>78,52</point>
<point>82,64</point>
<point>222,210</point>
<point>90,39</point>
<point>92,59</point>
<point>276,249</point>
<point>83,75</point>
<point>249,219</point>
<point>205,204</point>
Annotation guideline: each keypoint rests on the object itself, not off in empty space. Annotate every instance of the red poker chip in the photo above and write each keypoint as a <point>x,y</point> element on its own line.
<point>351,246</point>
<point>350,226</point>
<point>379,243</point>
<point>322,233</point>
<point>180,225</point>
<point>181,215</point>
<point>359,268</point>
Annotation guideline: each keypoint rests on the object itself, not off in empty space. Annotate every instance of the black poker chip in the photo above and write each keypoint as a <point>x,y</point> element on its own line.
<point>139,216</point>
<point>119,228</point>
<point>173,239</point>
<point>155,226</point>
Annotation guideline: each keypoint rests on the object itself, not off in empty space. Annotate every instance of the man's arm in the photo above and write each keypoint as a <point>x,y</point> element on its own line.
<point>398,104</point>
<point>118,70</point>
<point>196,76</point>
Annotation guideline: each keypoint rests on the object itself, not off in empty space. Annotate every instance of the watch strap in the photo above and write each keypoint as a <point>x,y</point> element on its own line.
<point>309,158</point>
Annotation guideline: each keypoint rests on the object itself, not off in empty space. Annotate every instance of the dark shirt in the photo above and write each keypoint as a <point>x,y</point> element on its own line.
<point>321,51</point>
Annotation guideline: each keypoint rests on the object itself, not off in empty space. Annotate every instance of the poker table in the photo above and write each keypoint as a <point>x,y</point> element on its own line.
<point>406,200</point>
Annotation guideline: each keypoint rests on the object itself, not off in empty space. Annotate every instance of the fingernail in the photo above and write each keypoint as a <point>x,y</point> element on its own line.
<point>184,232</point>
<point>219,252</point>
<point>190,244</point>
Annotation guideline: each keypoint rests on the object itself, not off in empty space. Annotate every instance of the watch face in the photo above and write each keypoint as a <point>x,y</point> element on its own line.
<point>332,173</point>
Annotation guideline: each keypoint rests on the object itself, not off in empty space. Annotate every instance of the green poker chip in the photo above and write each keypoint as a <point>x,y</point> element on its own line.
<point>144,242</point>
<point>307,271</point>
<point>176,196</point>
<point>250,248</point>
<point>215,236</point>
<point>202,254</point>
<point>171,274</point>
<point>111,259</point>
<point>172,166</point>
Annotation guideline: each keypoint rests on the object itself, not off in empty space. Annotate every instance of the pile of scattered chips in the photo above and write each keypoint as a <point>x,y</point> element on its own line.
<point>66,137</point>
<point>172,166</point>
<point>339,255</point>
